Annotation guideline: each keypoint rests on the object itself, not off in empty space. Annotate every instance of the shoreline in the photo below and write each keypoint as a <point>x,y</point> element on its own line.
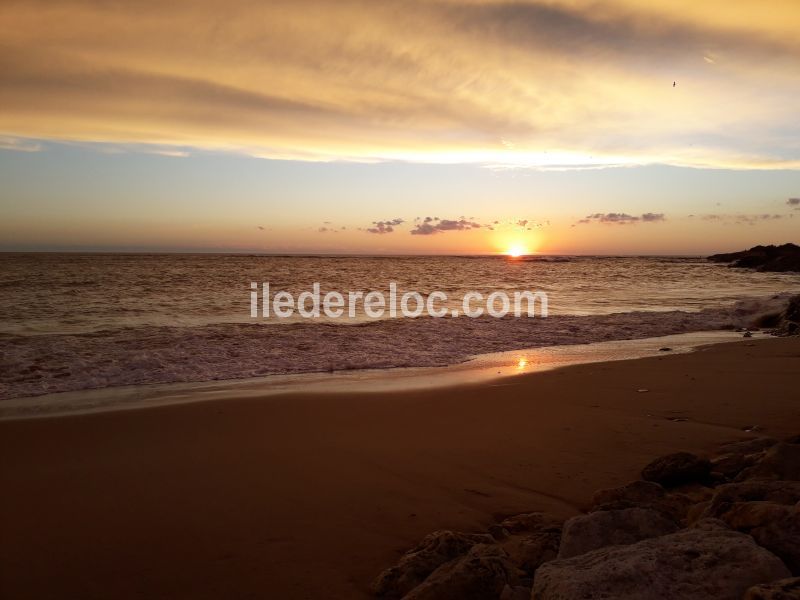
<point>311,496</point>
<point>480,368</point>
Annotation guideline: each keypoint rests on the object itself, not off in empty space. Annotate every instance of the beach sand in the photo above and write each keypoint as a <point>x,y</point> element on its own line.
<point>311,496</point>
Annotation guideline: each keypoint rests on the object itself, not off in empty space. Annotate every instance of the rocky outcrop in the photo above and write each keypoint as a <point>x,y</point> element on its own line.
<point>780,462</point>
<point>683,531</point>
<point>611,528</point>
<point>483,572</point>
<point>789,321</point>
<point>691,564</point>
<point>783,589</point>
<point>763,258</point>
<point>417,564</point>
<point>677,469</point>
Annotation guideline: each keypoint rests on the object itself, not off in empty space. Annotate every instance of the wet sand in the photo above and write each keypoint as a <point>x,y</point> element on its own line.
<point>311,495</point>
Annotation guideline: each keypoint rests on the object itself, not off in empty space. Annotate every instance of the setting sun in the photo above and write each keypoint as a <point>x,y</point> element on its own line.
<point>516,251</point>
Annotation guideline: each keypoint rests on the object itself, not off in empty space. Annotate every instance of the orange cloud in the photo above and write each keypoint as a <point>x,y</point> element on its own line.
<point>557,84</point>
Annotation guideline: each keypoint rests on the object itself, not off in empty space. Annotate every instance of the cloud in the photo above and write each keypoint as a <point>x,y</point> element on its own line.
<point>431,226</point>
<point>573,83</point>
<point>18,145</point>
<point>742,219</point>
<point>622,218</point>
<point>383,227</point>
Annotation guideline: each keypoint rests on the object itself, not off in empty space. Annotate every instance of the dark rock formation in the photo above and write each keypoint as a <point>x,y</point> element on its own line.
<point>414,567</point>
<point>782,258</point>
<point>691,564</point>
<point>677,469</point>
<point>789,321</point>
<point>599,529</point>
<point>783,589</point>
<point>739,538</point>
<point>484,572</point>
<point>780,462</point>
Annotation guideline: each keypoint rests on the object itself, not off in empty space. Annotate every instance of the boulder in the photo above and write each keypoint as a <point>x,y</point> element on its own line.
<point>764,258</point>
<point>774,526</point>
<point>751,446</point>
<point>783,589</point>
<point>535,521</point>
<point>643,494</point>
<point>693,564</point>
<point>781,536</point>
<point>730,465</point>
<point>433,551</point>
<point>610,528</point>
<point>636,493</point>
<point>779,492</point>
<point>677,469</point>
<point>517,592</point>
<point>528,552</point>
<point>781,461</point>
<point>482,574</point>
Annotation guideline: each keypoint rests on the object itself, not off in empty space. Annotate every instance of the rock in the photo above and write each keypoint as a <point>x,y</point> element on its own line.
<point>643,494</point>
<point>697,512</point>
<point>728,496</point>
<point>517,592</point>
<point>783,589</point>
<point>774,526</point>
<point>482,574</point>
<point>498,532</point>
<point>693,564</point>
<point>780,492</point>
<point>789,322</point>
<point>730,465</point>
<point>744,516</point>
<point>529,552</point>
<point>610,528</point>
<point>781,536</point>
<point>633,494</point>
<point>710,525</point>
<point>748,446</point>
<point>535,521</point>
<point>781,461</point>
<point>763,258</point>
<point>677,469</point>
<point>433,551</point>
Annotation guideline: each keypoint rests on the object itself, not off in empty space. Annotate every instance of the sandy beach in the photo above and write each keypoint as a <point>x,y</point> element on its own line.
<point>311,496</point>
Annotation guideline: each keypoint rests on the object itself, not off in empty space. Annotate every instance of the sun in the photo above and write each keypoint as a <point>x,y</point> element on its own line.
<point>516,251</point>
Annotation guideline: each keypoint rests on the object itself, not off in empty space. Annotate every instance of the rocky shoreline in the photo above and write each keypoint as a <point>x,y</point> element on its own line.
<point>779,259</point>
<point>720,527</point>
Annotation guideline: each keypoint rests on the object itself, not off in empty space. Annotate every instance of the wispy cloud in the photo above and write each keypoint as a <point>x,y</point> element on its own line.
<point>545,84</point>
<point>622,218</point>
<point>434,225</point>
<point>19,145</point>
<point>383,227</point>
<point>741,219</point>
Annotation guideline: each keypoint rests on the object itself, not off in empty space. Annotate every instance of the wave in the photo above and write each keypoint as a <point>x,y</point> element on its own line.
<point>49,363</point>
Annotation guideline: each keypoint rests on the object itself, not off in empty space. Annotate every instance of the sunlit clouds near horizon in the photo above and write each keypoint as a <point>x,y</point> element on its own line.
<point>414,126</point>
<point>560,84</point>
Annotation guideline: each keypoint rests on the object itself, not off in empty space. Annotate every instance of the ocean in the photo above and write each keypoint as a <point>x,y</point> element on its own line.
<point>81,321</point>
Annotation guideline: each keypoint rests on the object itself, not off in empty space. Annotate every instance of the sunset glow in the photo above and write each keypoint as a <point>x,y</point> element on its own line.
<point>516,251</point>
<point>387,128</point>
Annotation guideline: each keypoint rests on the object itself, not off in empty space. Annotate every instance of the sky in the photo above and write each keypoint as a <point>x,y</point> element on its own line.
<point>427,126</point>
